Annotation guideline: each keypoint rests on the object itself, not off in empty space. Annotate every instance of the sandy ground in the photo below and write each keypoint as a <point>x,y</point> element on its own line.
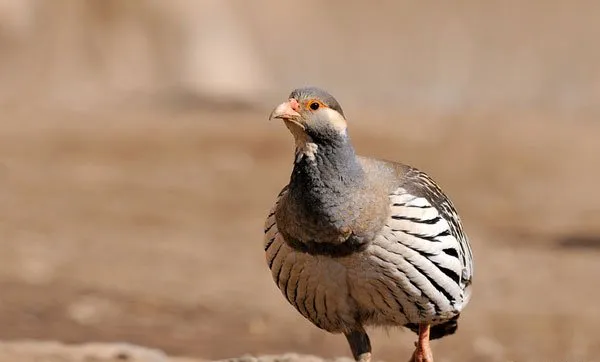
<point>145,227</point>
<point>117,352</point>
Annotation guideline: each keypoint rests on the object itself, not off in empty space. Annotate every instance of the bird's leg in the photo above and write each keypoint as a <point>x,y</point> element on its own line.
<point>360,345</point>
<point>423,350</point>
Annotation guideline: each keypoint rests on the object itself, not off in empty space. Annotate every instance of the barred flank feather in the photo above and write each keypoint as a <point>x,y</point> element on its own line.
<point>413,272</point>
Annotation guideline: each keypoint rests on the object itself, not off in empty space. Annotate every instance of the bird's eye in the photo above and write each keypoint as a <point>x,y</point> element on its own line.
<point>314,106</point>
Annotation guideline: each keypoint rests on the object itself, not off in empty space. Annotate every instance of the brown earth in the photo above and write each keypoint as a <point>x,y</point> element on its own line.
<point>32,351</point>
<point>145,226</point>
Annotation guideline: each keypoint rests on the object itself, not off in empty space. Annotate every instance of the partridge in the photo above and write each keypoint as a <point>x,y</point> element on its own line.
<point>354,242</point>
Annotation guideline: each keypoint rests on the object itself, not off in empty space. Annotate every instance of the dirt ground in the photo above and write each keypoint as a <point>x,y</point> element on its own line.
<point>145,226</point>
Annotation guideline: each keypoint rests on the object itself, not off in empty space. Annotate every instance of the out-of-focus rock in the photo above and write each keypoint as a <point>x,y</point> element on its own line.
<point>288,357</point>
<point>29,351</point>
<point>34,351</point>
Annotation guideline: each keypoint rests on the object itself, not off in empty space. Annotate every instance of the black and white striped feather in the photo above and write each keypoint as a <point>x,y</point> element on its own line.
<point>417,269</point>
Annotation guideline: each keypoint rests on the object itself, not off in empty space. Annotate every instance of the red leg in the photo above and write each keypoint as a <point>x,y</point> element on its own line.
<point>423,350</point>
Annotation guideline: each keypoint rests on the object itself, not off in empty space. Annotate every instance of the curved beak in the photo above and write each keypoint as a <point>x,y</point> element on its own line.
<point>287,111</point>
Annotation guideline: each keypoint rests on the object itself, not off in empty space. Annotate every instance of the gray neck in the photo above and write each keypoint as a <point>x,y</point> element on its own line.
<point>321,207</point>
<point>332,170</point>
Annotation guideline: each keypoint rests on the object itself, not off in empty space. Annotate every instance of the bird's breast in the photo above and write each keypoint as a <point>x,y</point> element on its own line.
<point>321,224</point>
<point>337,294</point>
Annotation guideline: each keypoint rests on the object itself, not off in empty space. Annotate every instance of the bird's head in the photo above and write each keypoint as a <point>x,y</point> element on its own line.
<point>312,115</point>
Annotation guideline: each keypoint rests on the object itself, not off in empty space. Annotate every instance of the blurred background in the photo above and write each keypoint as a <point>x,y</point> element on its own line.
<point>137,164</point>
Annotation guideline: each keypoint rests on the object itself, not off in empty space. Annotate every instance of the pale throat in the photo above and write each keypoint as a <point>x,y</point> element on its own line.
<point>305,145</point>
<point>307,148</point>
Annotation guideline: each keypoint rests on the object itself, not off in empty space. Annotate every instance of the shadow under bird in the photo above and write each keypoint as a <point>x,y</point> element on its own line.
<point>354,242</point>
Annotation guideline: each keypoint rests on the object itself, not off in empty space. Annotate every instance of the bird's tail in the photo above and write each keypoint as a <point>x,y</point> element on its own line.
<point>437,331</point>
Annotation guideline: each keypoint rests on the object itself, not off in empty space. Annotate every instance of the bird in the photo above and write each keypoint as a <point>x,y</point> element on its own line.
<point>354,242</point>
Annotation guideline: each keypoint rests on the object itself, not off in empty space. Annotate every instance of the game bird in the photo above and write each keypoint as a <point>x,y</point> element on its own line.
<point>354,242</point>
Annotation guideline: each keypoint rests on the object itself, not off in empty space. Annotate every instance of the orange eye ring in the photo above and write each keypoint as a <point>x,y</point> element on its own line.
<point>314,105</point>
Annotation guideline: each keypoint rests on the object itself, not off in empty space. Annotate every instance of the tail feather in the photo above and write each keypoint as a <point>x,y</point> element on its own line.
<point>437,331</point>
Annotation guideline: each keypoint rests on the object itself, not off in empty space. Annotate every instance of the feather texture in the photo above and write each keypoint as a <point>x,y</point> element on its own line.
<point>354,242</point>
<point>417,269</point>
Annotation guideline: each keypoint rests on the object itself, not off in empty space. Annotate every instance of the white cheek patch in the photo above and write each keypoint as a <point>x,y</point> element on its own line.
<point>337,120</point>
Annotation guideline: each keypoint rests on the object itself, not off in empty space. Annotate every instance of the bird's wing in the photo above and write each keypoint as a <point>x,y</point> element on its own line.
<point>271,222</point>
<point>425,230</point>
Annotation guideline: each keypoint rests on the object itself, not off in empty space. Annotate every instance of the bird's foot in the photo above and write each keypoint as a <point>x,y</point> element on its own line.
<point>421,355</point>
